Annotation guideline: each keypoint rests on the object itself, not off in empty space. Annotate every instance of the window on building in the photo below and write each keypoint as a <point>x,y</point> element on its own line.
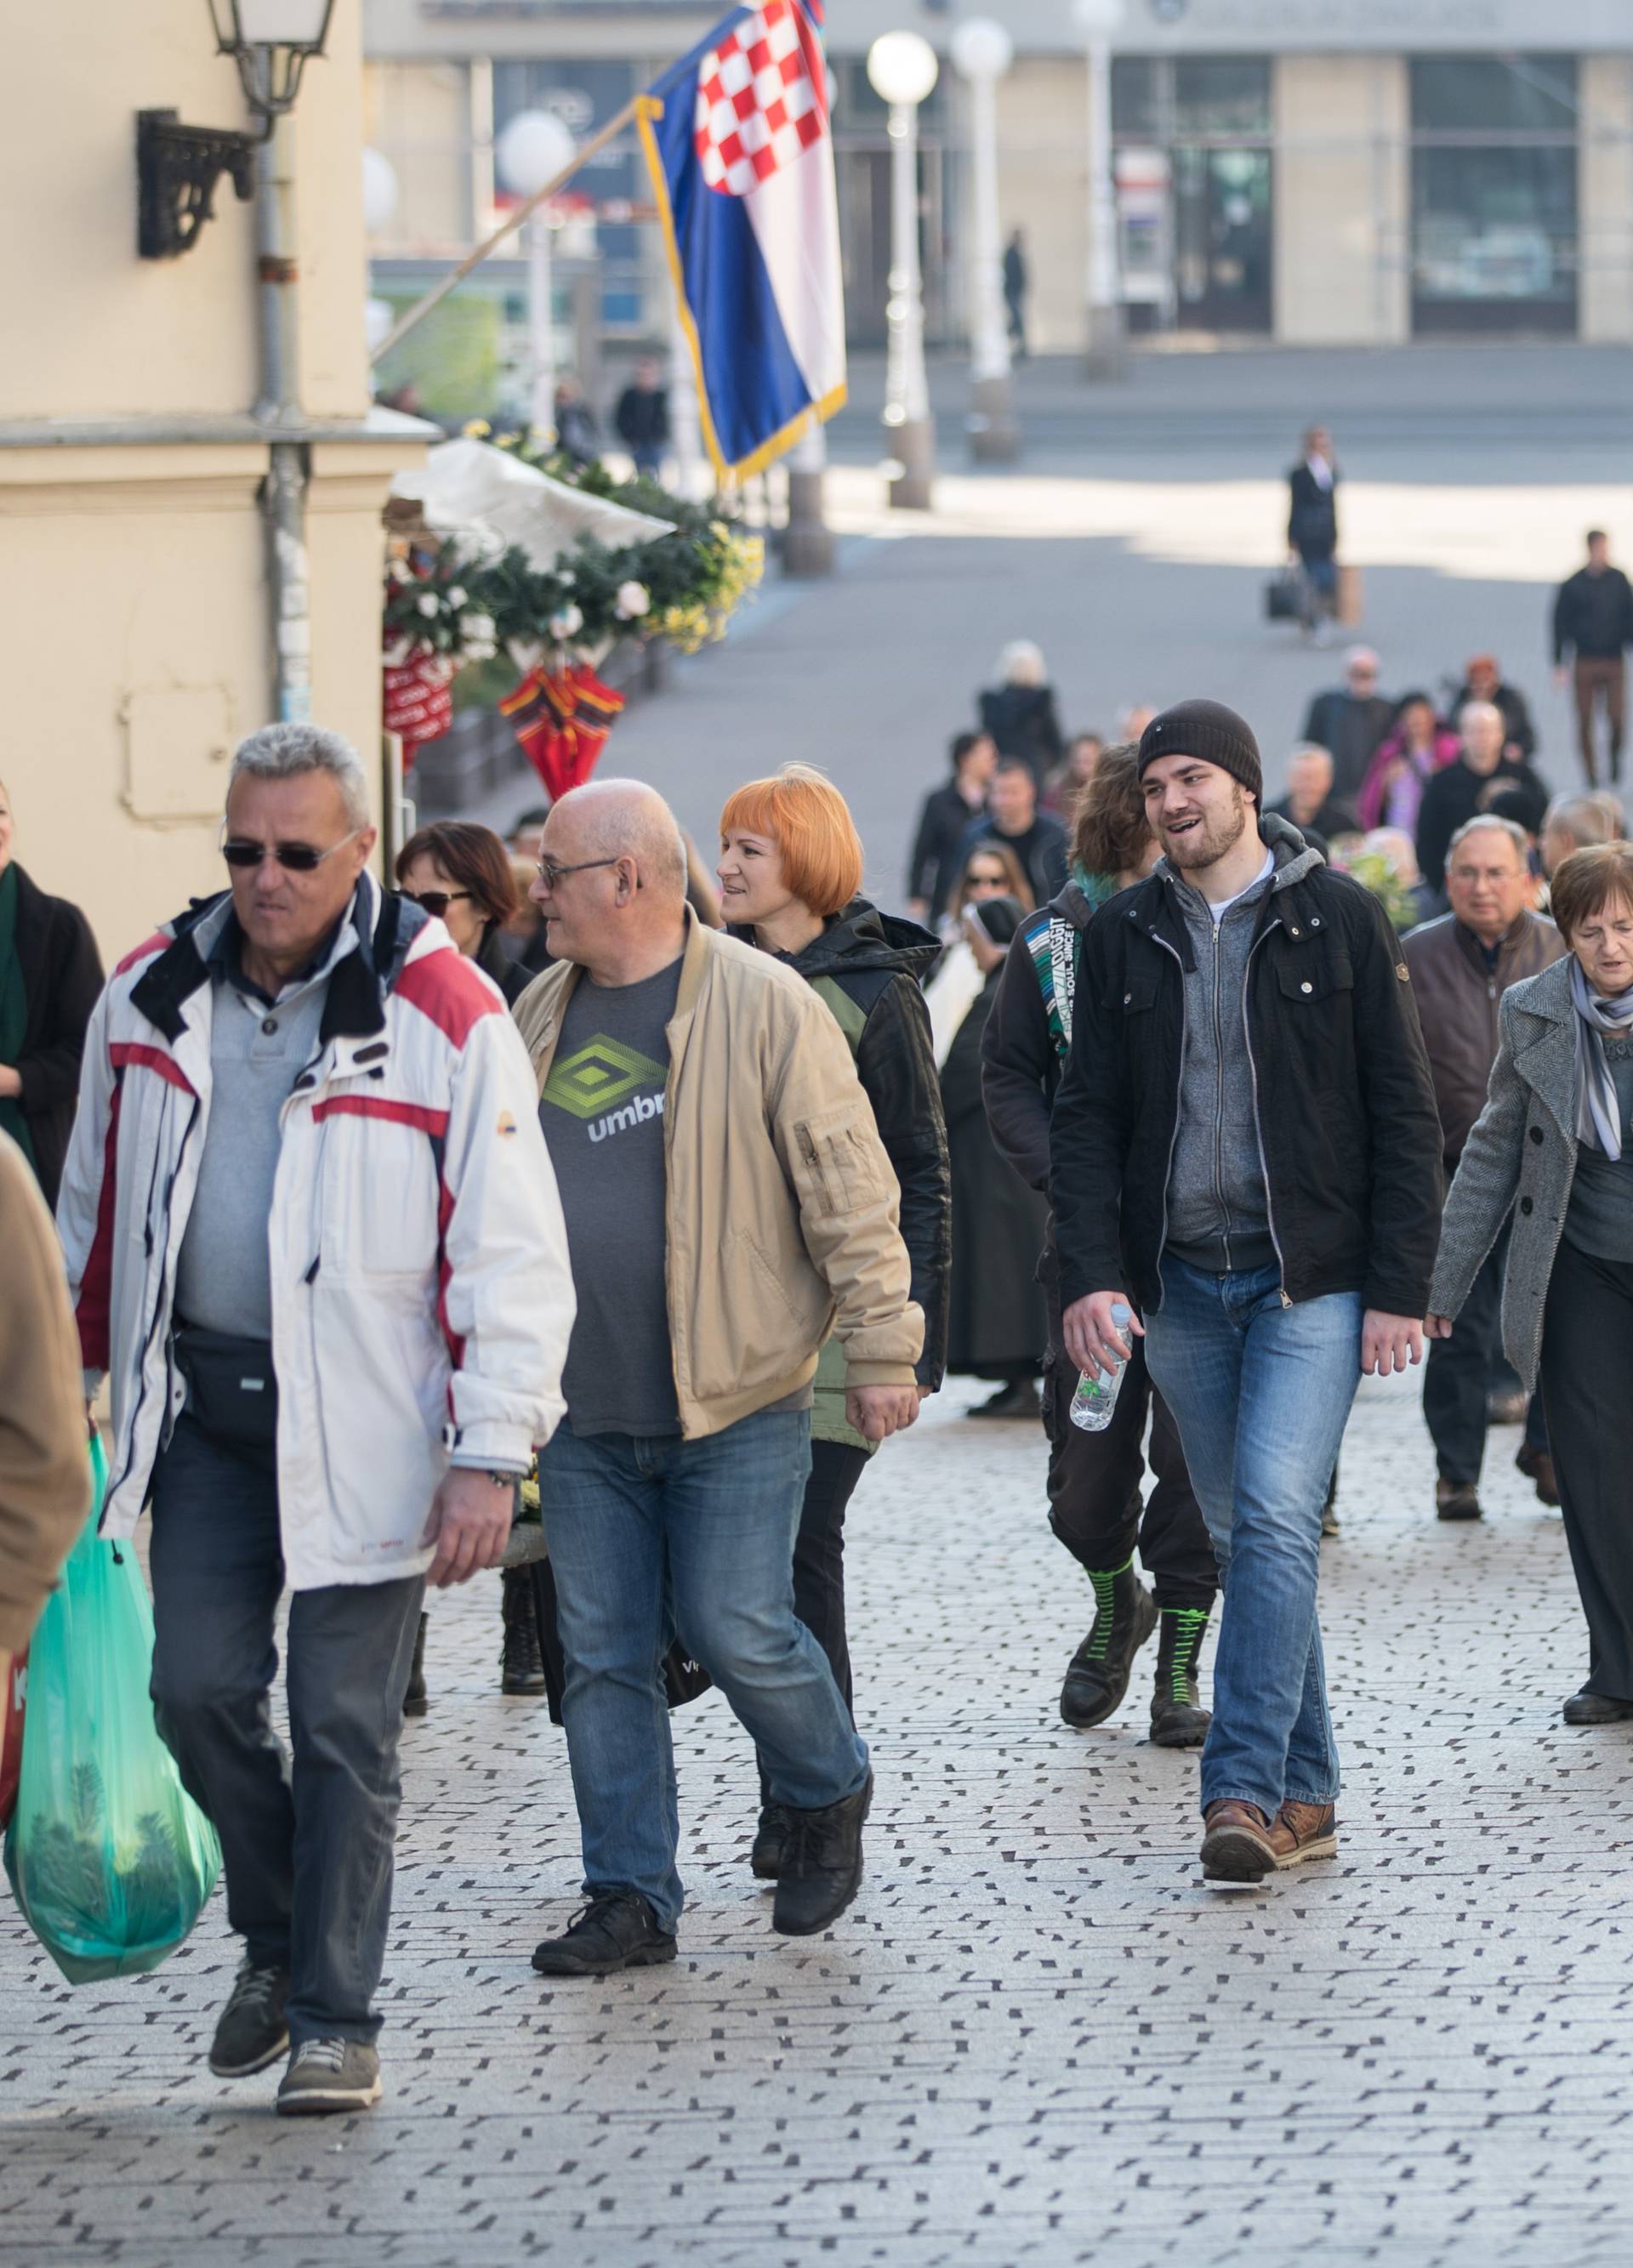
<point>1195,190</point>
<point>1493,194</point>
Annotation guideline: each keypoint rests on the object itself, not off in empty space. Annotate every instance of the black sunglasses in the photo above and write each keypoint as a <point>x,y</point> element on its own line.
<point>436,903</point>
<point>296,858</point>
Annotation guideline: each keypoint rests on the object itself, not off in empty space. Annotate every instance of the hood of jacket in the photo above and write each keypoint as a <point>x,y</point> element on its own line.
<point>862,938</point>
<point>1073,904</point>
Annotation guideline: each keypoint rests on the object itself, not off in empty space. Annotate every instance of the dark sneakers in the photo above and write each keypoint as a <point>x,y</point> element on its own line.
<point>330,2076</point>
<point>1457,1500</point>
<point>1124,1616</point>
<point>770,1841</point>
<point>1179,1720</point>
<point>822,1864</point>
<point>617,1930</point>
<point>1585,1708</point>
<point>251,2032</point>
<point>521,1662</point>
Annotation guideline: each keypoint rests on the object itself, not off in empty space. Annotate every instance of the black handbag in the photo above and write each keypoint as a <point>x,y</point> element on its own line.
<point>1284,596</point>
<point>683,1678</point>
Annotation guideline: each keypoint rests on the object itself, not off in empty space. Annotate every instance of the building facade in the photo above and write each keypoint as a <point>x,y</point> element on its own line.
<point>1331,171</point>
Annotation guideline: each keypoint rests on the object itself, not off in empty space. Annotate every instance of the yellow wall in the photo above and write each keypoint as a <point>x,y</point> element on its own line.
<point>1605,177</point>
<point>1043,189</point>
<point>1341,190</point>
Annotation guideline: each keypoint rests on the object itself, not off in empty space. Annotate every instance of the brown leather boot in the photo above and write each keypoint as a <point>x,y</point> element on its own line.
<point>1236,1843</point>
<point>1538,1466</point>
<point>1303,1830</point>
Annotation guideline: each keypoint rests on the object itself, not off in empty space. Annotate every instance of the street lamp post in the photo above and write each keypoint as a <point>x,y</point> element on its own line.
<point>1098,20</point>
<point>902,69</point>
<point>982,51</point>
<point>533,149</point>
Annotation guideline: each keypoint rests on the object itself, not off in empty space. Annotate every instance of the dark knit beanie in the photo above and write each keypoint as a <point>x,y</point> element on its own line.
<point>1207,729</point>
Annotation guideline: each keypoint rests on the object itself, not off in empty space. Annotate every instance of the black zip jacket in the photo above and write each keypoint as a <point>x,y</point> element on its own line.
<point>1594,614</point>
<point>62,974</point>
<point>877,963</point>
<point>1347,1123</point>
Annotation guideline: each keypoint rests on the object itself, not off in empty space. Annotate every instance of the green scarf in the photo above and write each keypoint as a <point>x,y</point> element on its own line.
<point>13,1010</point>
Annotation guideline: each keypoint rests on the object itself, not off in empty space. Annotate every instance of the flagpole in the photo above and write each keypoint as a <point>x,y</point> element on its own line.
<point>599,140</point>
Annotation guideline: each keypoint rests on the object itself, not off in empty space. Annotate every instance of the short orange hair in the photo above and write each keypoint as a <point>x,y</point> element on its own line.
<point>804,814</point>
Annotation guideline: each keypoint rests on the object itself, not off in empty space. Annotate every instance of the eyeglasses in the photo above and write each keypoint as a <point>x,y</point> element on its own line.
<point>436,903</point>
<point>295,858</point>
<point>551,870</point>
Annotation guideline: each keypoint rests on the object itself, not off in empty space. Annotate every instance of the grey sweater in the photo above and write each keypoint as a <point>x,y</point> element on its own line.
<point>1218,1214</point>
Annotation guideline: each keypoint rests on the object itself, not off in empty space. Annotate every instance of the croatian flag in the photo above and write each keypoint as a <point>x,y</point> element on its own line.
<point>741,152</point>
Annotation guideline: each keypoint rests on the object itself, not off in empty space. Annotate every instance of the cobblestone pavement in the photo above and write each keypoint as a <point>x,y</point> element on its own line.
<point>1035,2039</point>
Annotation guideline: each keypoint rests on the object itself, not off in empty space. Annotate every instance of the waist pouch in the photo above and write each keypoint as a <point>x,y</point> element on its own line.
<point>232,1393</point>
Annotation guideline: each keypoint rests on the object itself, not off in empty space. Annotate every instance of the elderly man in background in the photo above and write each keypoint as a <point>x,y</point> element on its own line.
<point>729,1203</point>
<point>1481,769</point>
<point>313,1236</point>
<point>1579,819</point>
<point>1309,804</point>
<point>1352,721</point>
<point>1461,966</point>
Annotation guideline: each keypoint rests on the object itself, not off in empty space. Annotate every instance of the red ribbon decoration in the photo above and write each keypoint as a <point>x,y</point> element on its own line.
<point>419,701</point>
<point>562,721</point>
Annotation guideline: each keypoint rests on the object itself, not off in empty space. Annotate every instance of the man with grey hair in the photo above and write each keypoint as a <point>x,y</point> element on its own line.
<point>1461,965</point>
<point>1577,820</point>
<point>1482,768</point>
<point>728,1204</point>
<point>1352,721</point>
<point>1309,804</point>
<point>313,1237</point>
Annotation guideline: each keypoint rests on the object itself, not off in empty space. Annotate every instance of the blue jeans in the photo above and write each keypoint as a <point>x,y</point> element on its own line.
<point>637,1529</point>
<point>1260,1394</point>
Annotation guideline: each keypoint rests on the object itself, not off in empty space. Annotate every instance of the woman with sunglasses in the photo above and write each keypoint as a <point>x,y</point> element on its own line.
<point>461,873</point>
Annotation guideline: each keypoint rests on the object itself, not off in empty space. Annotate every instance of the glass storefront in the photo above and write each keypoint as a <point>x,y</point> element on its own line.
<point>1493,194</point>
<point>1208,119</point>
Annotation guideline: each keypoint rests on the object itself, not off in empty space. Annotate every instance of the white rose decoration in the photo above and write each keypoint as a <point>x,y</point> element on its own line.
<point>633,600</point>
<point>428,602</point>
<point>398,652</point>
<point>456,597</point>
<point>567,622</point>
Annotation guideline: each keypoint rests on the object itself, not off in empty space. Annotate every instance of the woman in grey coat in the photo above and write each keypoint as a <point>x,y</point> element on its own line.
<point>1554,1144</point>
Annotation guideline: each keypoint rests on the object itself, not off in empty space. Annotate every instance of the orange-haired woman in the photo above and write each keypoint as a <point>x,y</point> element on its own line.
<point>790,871</point>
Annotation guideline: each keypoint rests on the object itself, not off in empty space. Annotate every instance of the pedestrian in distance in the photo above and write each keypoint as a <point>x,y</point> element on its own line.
<point>790,873</point>
<point>460,873</point>
<point>1269,1251</point>
<point>990,871</point>
<point>50,975</point>
<point>997,1326</point>
<point>1309,804</point>
<point>1071,776</point>
<point>945,819</point>
<point>1593,625</point>
<point>1012,817</point>
<point>1483,680</point>
<point>1094,1477</point>
<point>1480,770</point>
<point>641,419</point>
<point>1418,746</point>
<point>313,1237</point>
<point>1313,534</point>
<point>1551,1149</point>
<point>578,436</point>
<point>1461,966</point>
<point>1576,820</point>
<point>1019,712</point>
<point>730,1205</point>
<point>45,1472</point>
<point>1016,284</point>
<point>1351,721</point>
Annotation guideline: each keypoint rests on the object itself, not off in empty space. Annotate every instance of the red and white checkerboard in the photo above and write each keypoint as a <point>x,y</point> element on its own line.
<point>759,103</point>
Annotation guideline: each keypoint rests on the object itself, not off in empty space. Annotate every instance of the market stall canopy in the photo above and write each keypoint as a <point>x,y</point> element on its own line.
<point>468,487</point>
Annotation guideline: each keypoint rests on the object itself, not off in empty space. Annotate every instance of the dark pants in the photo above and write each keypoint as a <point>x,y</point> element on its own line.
<point>1595,675</point>
<point>1095,1505</point>
<point>1457,1378</point>
<point>307,1843</point>
<point>819,1562</point>
<point>1587,1359</point>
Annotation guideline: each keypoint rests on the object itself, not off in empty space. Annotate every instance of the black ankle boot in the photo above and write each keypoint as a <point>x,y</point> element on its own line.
<point>1124,1616</point>
<point>521,1664</point>
<point>822,1864</point>
<point>414,1701</point>
<point>1177,1719</point>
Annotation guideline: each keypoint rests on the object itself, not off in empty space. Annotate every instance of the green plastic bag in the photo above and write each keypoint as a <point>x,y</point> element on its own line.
<point>111,1859</point>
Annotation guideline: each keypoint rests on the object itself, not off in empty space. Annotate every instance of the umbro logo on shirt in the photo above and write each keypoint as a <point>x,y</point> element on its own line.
<point>595,1080</point>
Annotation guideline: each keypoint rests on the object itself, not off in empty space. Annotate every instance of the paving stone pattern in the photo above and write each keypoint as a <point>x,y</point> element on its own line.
<point>1036,2039</point>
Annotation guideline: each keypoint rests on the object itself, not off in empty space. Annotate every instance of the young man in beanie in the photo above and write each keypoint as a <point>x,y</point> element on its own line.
<point>1244,1151</point>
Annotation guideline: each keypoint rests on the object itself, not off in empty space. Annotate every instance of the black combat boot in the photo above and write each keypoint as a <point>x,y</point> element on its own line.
<point>521,1664</point>
<point>1177,1719</point>
<point>415,1703</point>
<point>1124,1616</point>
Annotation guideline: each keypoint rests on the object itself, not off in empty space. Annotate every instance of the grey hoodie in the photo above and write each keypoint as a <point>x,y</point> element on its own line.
<point>1218,1216</point>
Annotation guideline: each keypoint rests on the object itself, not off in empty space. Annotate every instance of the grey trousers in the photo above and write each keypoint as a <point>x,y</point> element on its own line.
<point>306,1840</point>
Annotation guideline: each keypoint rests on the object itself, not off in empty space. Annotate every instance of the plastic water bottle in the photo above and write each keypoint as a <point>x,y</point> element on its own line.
<point>1096,1398</point>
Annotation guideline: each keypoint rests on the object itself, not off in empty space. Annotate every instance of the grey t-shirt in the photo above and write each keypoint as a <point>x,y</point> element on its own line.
<point>1598,1220</point>
<point>602,1111</point>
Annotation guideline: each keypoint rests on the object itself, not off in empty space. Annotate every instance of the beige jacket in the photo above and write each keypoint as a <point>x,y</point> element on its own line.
<point>781,1204</point>
<point>45,1462</point>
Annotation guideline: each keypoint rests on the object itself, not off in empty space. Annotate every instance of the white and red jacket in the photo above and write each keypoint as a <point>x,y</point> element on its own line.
<point>422,1296</point>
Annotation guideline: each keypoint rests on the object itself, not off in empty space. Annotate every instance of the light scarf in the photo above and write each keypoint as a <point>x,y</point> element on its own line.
<point>1599,1113</point>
